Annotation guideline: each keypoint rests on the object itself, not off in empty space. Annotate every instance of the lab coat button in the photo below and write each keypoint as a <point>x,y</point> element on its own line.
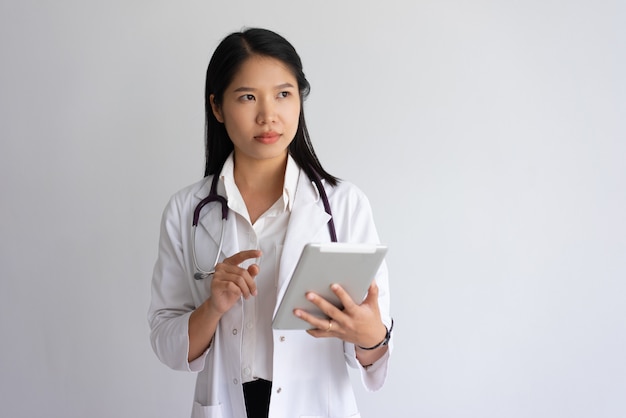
<point>279,390</point>
<point>235,381</point>
<point>282,338</point>
<point>235,331</point>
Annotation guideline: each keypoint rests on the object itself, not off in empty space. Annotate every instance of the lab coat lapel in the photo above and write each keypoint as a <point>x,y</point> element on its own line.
<point>307,223</point>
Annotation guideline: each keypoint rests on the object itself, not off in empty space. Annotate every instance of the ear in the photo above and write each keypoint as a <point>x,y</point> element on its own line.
<point>217,110</point>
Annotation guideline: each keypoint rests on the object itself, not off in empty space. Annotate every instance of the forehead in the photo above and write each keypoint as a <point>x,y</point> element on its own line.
<point>260,71</point>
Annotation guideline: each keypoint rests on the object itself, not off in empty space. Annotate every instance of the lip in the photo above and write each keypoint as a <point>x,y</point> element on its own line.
<point>267,137</point>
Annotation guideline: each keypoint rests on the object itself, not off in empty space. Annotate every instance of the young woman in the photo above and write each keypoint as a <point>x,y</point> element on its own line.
<point>260,162</point>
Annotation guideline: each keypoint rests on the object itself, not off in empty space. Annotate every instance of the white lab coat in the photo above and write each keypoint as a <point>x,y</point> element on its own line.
<point>310,377</point>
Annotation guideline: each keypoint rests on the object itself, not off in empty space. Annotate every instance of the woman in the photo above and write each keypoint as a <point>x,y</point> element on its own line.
<point>259,154</point>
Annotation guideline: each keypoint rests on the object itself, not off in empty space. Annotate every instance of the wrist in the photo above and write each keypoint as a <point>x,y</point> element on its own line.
<point>382,342</point>
<point>209,311</point>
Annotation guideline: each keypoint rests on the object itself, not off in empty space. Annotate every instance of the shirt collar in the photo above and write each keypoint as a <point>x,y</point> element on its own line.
<point>292,173</point>
<point>235,200</point>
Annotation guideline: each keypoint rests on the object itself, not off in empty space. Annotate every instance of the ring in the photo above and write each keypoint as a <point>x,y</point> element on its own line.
<point>330,325</point>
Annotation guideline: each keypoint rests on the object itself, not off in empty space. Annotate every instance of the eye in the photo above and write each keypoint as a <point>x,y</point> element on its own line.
<point>284,94</point>
<point>247,98</point>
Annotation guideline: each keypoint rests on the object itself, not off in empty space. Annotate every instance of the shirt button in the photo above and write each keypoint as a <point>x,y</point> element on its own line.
<point>235,381</point>
<point>282,339</point>
<point>246,371</point>
<point>249,325</point>
<point>279,390</point>
<point>235,331</point>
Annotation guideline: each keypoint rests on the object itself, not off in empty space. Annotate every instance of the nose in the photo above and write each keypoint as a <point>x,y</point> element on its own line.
<point>267,112</point>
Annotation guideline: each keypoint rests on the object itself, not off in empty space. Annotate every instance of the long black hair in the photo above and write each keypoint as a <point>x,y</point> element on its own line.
<point>225,62</point>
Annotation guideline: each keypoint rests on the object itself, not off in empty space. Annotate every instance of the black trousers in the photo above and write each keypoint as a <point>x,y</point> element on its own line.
<point>257,396</point>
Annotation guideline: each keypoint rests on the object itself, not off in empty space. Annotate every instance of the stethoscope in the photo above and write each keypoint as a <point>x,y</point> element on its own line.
<point>214,197</point>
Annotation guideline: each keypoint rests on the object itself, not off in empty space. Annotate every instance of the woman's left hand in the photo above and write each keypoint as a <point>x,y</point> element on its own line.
<point>357,324</point>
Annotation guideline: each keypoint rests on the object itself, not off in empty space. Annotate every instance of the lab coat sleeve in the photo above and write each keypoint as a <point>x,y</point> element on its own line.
<point>361,228</point>
<point>374,376</point>
<point>172,302</point>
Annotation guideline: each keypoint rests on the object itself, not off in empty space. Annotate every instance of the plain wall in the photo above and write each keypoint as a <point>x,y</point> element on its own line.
<point>490,137</point>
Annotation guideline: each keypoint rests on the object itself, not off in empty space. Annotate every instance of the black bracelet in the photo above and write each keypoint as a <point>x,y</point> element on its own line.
<point>385,340</point>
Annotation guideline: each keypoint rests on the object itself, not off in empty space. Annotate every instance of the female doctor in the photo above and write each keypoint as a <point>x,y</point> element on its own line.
<point>260,163</point>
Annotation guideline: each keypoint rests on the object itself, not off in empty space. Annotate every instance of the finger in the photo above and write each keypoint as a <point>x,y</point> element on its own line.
<point>319,325</point>
<point>325,306</point>
<point>244,282</point>
<point>242,256</point>
<point>372,294</point>
<point>253,270</point>
<point>345,299</point>
<point>326,330</point>
<point>240,277</point>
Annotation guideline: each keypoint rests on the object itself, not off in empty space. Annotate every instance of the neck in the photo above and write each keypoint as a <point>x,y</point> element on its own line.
<point>264,176</point>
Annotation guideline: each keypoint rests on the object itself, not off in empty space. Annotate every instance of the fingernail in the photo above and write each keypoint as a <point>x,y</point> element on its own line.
<point>310,296</point>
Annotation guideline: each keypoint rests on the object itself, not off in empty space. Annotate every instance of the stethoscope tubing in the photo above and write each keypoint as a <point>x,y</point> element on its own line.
<point>214,197</point>
<point>202,274</point>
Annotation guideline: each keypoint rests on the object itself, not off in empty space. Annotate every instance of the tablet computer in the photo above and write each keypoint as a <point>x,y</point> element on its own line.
<point>353,266</point>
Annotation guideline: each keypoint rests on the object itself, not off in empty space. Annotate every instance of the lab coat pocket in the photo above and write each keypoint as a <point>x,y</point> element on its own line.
<point>201,411</point>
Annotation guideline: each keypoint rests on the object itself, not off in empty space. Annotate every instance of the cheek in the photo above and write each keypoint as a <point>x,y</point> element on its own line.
<point>295,115</point>
<point>235,122</point>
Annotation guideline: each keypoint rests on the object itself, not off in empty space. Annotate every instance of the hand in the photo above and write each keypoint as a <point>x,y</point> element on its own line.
<point>358,324</point>
<point>230,282</point>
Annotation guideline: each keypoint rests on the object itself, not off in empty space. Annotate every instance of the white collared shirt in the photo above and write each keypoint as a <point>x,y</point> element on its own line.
<point>268,235</point>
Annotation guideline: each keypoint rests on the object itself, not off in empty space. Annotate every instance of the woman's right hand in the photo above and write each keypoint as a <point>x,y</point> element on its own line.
<point>230,282</point>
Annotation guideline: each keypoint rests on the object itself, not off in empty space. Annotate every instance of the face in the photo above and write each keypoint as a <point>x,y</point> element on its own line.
<point>260,109</point>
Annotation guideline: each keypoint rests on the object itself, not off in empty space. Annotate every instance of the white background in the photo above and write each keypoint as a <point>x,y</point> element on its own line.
<point>490,137</point>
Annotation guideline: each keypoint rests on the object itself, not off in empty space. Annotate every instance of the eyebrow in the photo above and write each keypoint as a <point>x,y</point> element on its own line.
<point>278,87</point>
